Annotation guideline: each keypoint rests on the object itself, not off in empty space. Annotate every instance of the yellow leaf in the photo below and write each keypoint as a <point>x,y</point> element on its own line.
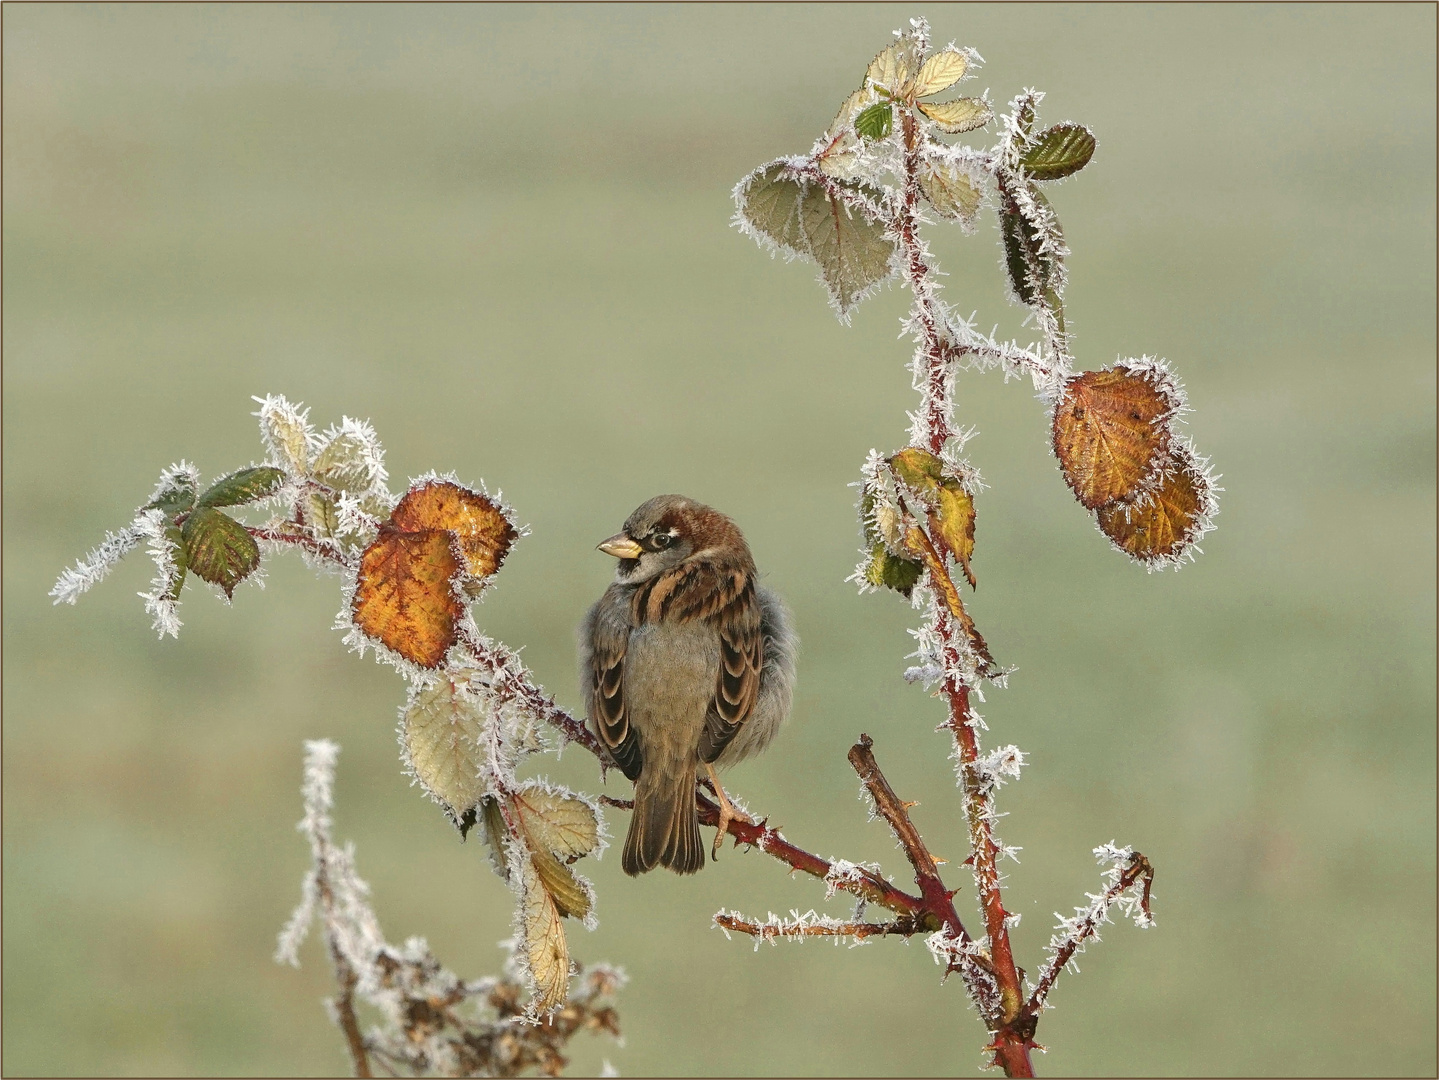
<point>957,116</point>
<point>893,68</point>
<point>953,521</point>
<point>1110,433</point>
<point>918,468</point>
<point>565,890</point>
<point>940,72</point>
<point>555,822</point>
<point>953,193</point>
<point>441,727</point>
<point>403,595</point>
<point>546,950</point>
<point>944,588</point>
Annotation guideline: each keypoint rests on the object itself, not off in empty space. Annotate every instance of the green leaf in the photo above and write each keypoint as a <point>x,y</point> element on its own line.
<point>218,549</point>
<point>875,122</point>
<point>1058,152</point>
<point>341,464</point>
<point>800,216</point>
<point>1022,255</point>
<point>244,486</point>
<point>918,468</point>
<point>892,572</point>
<point>174,500</point>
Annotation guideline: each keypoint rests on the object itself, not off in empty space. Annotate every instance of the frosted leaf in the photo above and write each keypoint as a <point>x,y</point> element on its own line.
<point>570,895</point>
<point>546,953</point>
<point>952,192</point>
<point>893,68</point>
<point>1058,152</point>
<point>441,729</point>
<point>286,433</point>
<point>940,72</point>
<point>804,216</point>
<point>958,116</point>
<point>555,821</point>
<point>218,549</point>
<point>245,486</point>
<point>351,458</point>
<point>1163,527</point>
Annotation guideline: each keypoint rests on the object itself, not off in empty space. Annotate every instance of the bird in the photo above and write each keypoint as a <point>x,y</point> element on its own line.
<point>686,663</point>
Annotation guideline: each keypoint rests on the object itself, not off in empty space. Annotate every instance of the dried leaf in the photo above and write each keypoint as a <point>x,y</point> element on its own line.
<point>944,587</point>
<point>893,67</point>
<point>840,156</point>
<point>546,951</point>
<point>560,882</point>
<point>1160,526</point>
<point>404,596</point>
<point>441,727</point>
<point>953,193</point>
<point>485,533</point>
<point>218,549</point>
<point>940,72</point>
<point>244,486</point>
<point>875,122</point>
<point>889,571</point>
<point>1111,434</point>
<point>1059,151</point>
<point>554,822</point>
<point>957,116</point>
<point>800,216</point>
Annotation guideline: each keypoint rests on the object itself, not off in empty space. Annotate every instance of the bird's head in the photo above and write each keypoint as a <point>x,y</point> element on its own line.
<point>668,530</point>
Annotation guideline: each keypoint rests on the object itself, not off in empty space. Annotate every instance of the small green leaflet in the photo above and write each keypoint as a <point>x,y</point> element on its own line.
<point>218,549</point>
<point>1022,255</point>
<point>891,572</point>
<point>241,487</point>
<point>875,122</point>
<point>1059,151</point>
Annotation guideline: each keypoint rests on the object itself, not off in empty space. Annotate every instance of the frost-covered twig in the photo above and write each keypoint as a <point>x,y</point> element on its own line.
<point>1129,878</point>
<point>431,1022</point>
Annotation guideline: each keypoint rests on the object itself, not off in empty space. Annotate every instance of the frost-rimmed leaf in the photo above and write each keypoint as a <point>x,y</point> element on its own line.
<point>940,72</point>
<point>1162,527</point>
<point>404,596</point>
<point>958,116</point>
<point>496,834</point>
<point>798,213</point>
<point>949,504</point>
<point>286,433</point>
<point>875,122</point>
<point>218,549</point>
<point>887,571</point>
<point>480,524</point>
<point>441,728</point>
<point>245,486</point>
<point>1111,430</point>
<point>837,151</point>
<point>893,67</point>
<point>570,897</point>
<point>1058,151</point>
<point>1035,268</point>
<point>175,492</point>
<point>556,821</point>
<point>546,952</point>
<point>952,191</point>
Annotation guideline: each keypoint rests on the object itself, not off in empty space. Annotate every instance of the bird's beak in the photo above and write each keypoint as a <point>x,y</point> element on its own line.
<point>621,547</point>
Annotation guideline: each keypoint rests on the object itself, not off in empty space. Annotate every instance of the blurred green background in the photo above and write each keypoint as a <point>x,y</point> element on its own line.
<point>502,233</point>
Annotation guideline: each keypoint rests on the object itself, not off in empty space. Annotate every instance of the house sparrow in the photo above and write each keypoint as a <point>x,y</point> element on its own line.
<point>685,662</point>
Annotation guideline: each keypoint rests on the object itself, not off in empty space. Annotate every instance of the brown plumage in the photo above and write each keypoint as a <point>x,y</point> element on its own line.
<point>685,663</point>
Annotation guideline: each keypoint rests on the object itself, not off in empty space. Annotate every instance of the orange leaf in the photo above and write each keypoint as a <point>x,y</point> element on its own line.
<point>404,597</point>
<point>1111,432</point>
<point>484,532</point>
<point>943,585</point>
<point>1161,525</point>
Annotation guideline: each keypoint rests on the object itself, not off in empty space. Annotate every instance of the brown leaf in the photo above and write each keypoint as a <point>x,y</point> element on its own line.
<point>1161,525</point>
<point>546,949</point>
<point>404,597</point>
<point>1111,433</point>
<point>943,585</point>
<point>484,531</point>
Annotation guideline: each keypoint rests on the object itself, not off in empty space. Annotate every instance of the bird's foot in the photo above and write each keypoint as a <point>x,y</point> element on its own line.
<point>727,813</point>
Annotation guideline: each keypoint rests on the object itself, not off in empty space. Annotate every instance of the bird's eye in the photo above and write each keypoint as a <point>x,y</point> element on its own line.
<point>661,541</point>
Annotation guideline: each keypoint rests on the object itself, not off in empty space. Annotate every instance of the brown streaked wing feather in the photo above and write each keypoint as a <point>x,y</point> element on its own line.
<point>741,656</point>
<point>608,698</point>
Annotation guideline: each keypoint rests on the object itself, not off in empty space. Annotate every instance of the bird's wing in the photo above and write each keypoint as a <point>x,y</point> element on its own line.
<point>741,657</point>
<point>608,634</point>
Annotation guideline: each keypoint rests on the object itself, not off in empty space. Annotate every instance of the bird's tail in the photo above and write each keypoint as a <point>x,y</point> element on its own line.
<point>664,828</point>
